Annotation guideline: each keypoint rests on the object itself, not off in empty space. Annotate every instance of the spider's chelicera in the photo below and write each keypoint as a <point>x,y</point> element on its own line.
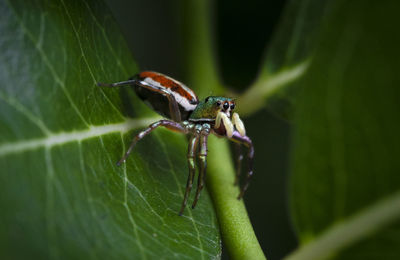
<point>213,115</point>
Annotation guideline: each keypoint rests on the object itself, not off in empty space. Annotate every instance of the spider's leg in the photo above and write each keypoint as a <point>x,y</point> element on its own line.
<point>239,155</point>
<point>174,108</point>
<point>130,82</point>
<point>173,105</point>
<point>245,140</point>
<point>166,123</point>
<point>203,167</point>
<point>193,142</point>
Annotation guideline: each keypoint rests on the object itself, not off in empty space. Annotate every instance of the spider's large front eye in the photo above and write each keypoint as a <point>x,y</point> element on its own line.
<point>226,105</point>
<point>218,103</point>
<point>232,106</point>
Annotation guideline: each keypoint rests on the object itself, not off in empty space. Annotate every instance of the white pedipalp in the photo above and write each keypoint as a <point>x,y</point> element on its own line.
<point>218,120</point>
<point>227,123</point>
<point>238,123</point>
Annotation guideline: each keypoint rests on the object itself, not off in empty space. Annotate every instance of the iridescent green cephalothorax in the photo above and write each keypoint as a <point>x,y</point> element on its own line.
<point>209,107</point>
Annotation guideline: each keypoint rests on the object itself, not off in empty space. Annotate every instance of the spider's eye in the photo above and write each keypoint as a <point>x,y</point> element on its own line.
<point>218,103</point>
<point>232,106</point>
<point>226,105</point>
<point>207,98</point>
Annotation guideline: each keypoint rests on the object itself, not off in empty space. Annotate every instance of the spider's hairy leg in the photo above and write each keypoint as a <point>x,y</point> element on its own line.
<point>239,154</point>
<point>117,84</point>
<point>245,140</point>
<point>173,105</point>
<point>203,167</point>
<point>166,123</point>
<point>193,142</point>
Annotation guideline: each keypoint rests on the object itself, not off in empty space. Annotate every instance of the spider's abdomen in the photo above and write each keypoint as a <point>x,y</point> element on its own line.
<point>184,96</point>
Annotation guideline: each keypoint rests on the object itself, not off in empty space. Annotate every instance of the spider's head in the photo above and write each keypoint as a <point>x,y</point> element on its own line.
<point>211,106</point>
<point>220,109</point>
<point>226,121</point>
<point>217,104</point>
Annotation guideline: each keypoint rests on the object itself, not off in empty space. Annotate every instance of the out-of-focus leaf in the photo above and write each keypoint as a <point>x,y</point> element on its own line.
<point>287,58</point>
<point>346,138</point>
<point>61,194</point>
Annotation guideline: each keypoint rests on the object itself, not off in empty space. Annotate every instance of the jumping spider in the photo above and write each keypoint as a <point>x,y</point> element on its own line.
<point>213,115</point>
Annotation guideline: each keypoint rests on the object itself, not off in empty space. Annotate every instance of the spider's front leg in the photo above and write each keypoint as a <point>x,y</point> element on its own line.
<point>193,142</point>
<point>236,132</point>
<point>203,162</point>
<point>245,140</point>
<point>239,156</point>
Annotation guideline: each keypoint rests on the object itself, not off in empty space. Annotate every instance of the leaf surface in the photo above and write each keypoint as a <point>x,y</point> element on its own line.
<point>62,196</point>
<point>346,136</point>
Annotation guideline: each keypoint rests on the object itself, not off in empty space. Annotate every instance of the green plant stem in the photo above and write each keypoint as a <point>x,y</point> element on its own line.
<point>201,66</point>
<point>236,229</point>
<point>237,232</point>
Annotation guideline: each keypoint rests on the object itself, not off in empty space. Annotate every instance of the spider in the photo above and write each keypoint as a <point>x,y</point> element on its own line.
<point>214,115</point>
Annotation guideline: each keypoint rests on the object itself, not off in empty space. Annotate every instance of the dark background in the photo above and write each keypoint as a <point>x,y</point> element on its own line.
<point>242,31</point>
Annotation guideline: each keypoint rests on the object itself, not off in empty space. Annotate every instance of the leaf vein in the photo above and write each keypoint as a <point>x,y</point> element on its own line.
<point>74,136</point>
<point>85,60</point>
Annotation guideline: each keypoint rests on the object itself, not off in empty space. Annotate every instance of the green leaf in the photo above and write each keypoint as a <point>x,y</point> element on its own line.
<point>345,173</point>
<point>61,195</point>
<point>286,59</point>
